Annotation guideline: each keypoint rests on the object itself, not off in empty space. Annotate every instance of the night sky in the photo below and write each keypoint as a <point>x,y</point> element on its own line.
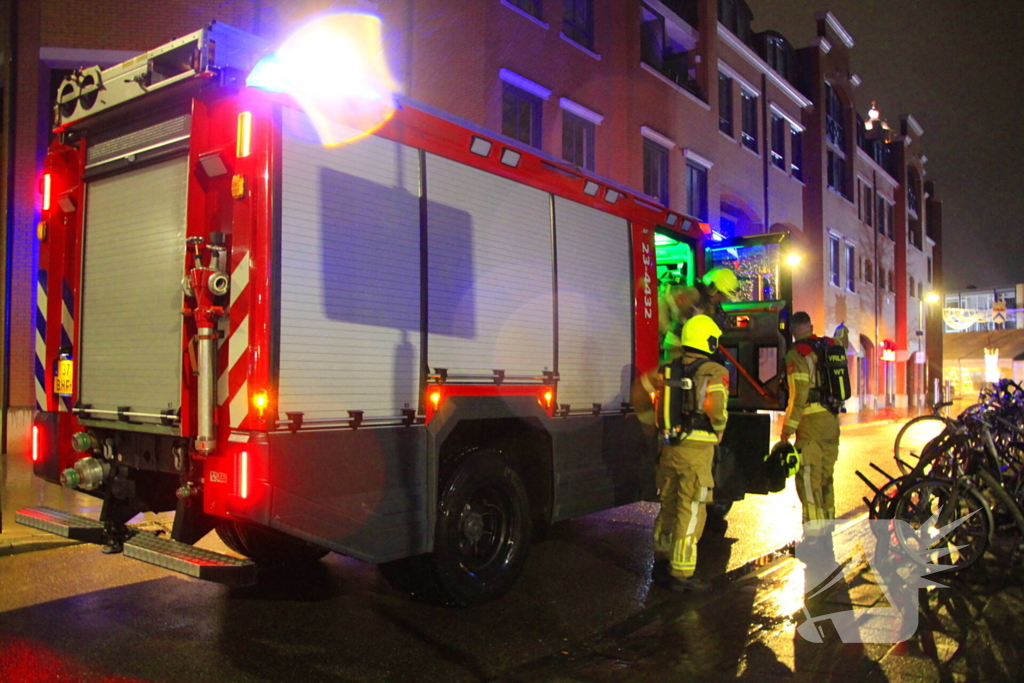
<point>958,67</point>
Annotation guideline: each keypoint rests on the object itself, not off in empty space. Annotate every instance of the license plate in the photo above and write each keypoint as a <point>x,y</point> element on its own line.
<point>65,380</point>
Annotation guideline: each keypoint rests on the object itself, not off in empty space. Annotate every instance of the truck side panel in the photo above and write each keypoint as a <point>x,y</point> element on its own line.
<point>360,492</point>
<point>491,277</point>
<point>595,344</point>
<point>350,277</point>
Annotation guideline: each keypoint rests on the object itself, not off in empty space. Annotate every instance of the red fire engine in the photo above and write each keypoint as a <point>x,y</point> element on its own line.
<point>412,349</point>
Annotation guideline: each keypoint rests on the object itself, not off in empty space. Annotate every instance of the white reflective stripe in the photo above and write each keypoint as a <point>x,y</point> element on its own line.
<point>810,508</point>
<point>239,407</point>
<point>694,507</point>
<point>239,278</point>
<point>800,375</point>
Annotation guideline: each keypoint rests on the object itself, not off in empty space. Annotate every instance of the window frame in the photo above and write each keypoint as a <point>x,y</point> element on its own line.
<point>796,153</point>
<point>851,274</point>
<point>652,152</point>
<point>513,94</point>
<point>700,173</point>
<point>779,126</point>
<point>578,22</point>
<point>573,123</point>
<point>834,260</point>
<point>726,118</point>
<point>748,116</point>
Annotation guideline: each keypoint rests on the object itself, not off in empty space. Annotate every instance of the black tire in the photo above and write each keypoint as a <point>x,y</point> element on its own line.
<point>227,532</point>
<point>481,539</point>
<point>267,547</point>
<point>965,544</point>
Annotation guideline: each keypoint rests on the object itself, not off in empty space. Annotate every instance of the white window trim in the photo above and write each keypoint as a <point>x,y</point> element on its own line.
<point>655,136</point>
<point>523,83</point>
<point>832,235</point>
<point>586,50</point>
<point>690,155</point>
<point>580,111</point>
<point>793,123</point>
<point>740,80</point>
<point>523,13</point>
<point>754,59</point>
<point>834,24</point>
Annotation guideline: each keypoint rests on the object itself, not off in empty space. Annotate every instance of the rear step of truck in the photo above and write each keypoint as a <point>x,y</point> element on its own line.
<point>66,524</point>
<point>146,546</point>
<point>190,560</point>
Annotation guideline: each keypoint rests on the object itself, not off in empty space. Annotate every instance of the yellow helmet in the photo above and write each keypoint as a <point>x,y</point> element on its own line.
<point>701,332</point>
<point>723,280</point>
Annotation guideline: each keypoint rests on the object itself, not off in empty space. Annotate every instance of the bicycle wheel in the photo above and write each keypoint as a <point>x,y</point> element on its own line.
<point>914,436</point>
<point>928,498</point>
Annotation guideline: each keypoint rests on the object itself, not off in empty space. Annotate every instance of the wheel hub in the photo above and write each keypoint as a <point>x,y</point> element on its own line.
<point>473,526</point>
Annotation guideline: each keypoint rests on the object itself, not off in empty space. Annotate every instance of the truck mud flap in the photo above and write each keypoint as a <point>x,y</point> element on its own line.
<point>66,524</point>
<point>186,559</point>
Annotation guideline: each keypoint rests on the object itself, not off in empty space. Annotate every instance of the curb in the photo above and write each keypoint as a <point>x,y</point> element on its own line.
<point>33,542</point>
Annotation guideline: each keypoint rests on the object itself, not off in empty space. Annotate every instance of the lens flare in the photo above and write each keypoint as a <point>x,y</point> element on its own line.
<point>334,67</point>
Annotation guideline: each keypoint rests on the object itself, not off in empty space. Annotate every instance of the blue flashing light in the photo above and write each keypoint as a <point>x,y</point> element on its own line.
<point>268,74</point>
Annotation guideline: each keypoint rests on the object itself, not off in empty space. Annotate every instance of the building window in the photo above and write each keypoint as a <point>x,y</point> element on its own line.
<point>736,16</point>
<point>667,51</point>
<point>656,171</point>
<point>869,271</point>
<point>929,269</point>
<point>578,141</point>
<point>913,289</point>
<point>697,191</point>
<point>837,172</point>
<point>531,7</point>
<point>851,270</point>
<point>869,200</point>
<point>749,108</point>
<point>835,128</point>
<point>892,282</point>
<point>776,53</point>
<point>578,21</point>
<point>881,276</point>
<point>890,219</point>
<point>779,128</point>
<point>833,260</point>
<point>520,115</point>
<point>725,104</point>
<point>796,153</point>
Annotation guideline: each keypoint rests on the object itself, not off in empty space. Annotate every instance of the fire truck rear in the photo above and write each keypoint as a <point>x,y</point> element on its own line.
<point>411,349</point>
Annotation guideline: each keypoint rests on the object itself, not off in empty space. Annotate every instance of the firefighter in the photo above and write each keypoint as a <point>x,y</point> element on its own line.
<point>684,473</point>
<point>678,303</point>
<point>815,427</point>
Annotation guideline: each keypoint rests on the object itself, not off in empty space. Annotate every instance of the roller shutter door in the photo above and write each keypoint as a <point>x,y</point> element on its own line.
<point>131,334</point>
<point>594,307</point>
<point>350,276</point>
<point>490,289</point>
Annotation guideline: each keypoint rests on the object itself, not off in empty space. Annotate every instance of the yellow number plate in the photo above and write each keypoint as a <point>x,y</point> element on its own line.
<point>65,379</point>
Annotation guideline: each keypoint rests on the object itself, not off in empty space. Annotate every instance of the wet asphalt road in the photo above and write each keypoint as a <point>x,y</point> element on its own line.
<point>73,614</point>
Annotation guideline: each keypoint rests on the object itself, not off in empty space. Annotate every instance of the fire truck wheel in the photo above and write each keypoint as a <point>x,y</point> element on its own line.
<point>227,532</point>
<point>483,529</point>
<point>268,547</point>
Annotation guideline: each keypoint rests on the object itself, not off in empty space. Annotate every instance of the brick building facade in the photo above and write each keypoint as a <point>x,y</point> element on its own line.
<point>679,99</point>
